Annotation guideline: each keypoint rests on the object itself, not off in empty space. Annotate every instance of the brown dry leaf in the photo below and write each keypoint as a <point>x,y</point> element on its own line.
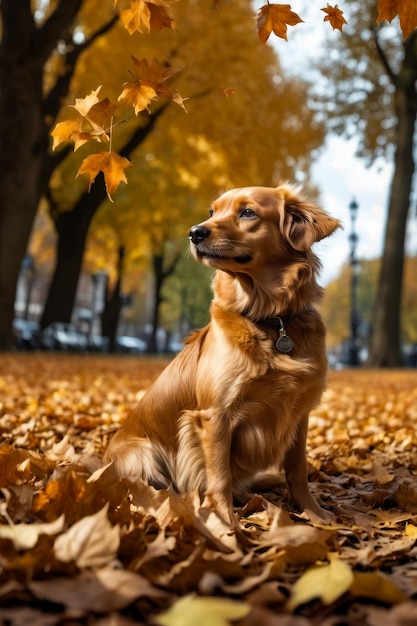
<point>102,590</point>
<point>60,413</point>
<point>91,542</point>
<point>405,9</point>
<point>275,18</point>
<point>26,536</point>
<point>111,164</point>
<point>334,16</point>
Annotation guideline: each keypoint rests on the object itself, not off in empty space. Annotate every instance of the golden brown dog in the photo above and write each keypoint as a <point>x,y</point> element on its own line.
<point>236,400</point>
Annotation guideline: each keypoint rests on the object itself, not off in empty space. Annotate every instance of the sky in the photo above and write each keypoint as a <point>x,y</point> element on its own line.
<point>338,173</point>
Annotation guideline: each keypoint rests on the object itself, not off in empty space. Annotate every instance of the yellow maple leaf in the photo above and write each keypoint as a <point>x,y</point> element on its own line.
<point>83,105</point>
<point>405,9</point>
<point>138,95</point>
<point>111,164</point>
<point>64,131</point>
<point>146,15</point>
<point>137,18</point>
<point>275,18</point>
<point>150,78</point>
<point>334,16</point>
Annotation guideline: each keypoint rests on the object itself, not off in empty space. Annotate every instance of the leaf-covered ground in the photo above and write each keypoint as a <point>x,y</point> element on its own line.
<point>78,547</point>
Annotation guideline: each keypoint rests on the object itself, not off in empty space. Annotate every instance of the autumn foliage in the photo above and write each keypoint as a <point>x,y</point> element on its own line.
<point>96,121</point>
<point>77,544</point>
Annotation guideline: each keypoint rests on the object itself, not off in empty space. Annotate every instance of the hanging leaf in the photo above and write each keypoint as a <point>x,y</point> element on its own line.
<point>334,16</point>
<point>275,18</point>
<point>111,164</point>
<point>405,9</point>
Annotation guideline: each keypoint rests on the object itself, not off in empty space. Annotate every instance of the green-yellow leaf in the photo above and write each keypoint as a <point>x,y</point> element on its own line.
<point>193,610</point>
<point>374,585</point>
<point>327,582</point>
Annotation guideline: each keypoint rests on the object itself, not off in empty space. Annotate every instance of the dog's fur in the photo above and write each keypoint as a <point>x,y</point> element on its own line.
<point>230,404</point>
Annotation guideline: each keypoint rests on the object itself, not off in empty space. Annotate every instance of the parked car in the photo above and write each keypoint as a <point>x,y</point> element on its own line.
<point>124,343</point>
<point>63,336</point>
<point>27,334</point>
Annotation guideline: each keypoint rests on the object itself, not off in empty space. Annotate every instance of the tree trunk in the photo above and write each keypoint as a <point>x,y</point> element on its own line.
<point>160,276</point>
<point>386,341</point>
<point>72,229</point>
<point>24,50</point>
<point>113,305</point>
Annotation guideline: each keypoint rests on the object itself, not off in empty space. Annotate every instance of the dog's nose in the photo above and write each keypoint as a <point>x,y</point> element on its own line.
<point>198,233</point>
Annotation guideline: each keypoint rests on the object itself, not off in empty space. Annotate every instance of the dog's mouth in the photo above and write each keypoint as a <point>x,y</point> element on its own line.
<point>214,257</point>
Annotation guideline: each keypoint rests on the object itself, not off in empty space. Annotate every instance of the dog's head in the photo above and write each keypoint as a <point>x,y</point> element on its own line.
<point>252,227</point>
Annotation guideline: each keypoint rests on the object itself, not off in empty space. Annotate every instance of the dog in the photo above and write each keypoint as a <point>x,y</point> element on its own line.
<point>235,401</point>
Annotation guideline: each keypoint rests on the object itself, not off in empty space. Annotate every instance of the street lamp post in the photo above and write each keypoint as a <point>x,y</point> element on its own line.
<point>354,317</point>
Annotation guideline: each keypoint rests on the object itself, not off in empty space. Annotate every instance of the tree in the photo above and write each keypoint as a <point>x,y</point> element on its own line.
<point>372,80</point>
<point>202,149</point>
<point>29,104</point>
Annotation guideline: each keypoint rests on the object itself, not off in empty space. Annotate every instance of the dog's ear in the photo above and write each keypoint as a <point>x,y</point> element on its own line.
<point>304,223</point>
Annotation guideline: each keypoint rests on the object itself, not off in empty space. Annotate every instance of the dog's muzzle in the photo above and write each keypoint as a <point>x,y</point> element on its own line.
<point>198,233</point>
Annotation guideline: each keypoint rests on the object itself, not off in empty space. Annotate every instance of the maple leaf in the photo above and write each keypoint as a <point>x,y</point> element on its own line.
<point>405,9</point>
<point>334,16</point>
<point>83,105</point>
<point>111,164</point>
<point>144,15</point>
<point>275,18</point>
<point>64,131</point>
<point>150,78</point>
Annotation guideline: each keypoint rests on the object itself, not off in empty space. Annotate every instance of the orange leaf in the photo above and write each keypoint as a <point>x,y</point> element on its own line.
<point>144,15</point>
<point>137,18</point>
<point>406,9</point>
<point>150,78</point>
<point>83,105</point>
<point>101,114</point>
<point>161,16</point>
<point>64,131</point>
<point>111,164</point>
<point>275,18</point>
<point>334,16</point>
<point>140,96</point>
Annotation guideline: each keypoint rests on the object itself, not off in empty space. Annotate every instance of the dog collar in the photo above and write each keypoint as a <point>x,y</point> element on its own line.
<point>283,344</point>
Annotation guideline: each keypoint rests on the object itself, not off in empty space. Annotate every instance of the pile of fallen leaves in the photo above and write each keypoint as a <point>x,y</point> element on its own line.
<point>79,547</point>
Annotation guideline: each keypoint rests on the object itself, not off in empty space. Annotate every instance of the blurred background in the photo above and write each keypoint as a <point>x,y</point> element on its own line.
<point>333,112</point>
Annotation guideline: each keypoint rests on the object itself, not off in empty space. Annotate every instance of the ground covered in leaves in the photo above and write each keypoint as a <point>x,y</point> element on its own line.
<point>78,547</point>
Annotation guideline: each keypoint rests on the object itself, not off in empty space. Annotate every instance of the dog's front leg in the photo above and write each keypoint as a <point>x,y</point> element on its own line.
<point>295,465</point>
<point>216,439</point>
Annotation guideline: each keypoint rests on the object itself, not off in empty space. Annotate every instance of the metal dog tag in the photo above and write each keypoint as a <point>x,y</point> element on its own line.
<point>284,344</point>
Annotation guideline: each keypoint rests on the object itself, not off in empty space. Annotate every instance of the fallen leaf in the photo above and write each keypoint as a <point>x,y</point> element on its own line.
<point>101,590</point>
<point>25,536</point>
<point>376,586</point>
<point>192,610</point>
<point>327,582</point>
<point>91,542</point>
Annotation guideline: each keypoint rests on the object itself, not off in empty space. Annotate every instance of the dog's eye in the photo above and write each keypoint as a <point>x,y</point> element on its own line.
<point>248,213</point>
<point>211,212</point>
